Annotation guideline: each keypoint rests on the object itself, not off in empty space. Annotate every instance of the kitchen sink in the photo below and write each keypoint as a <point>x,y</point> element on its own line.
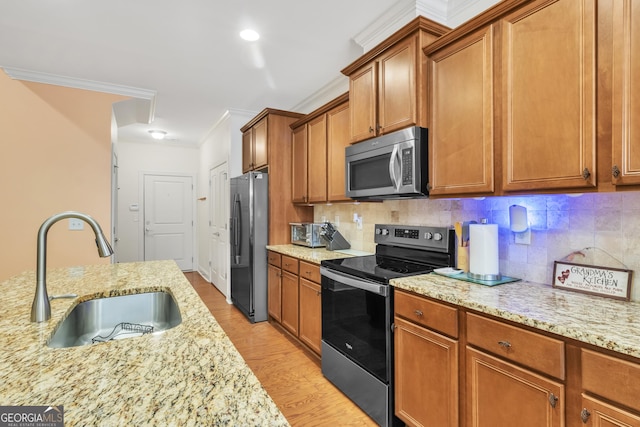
<point>126,316</point>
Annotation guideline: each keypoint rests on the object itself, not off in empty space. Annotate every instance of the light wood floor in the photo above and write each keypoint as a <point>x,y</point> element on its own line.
<point>288,371</point>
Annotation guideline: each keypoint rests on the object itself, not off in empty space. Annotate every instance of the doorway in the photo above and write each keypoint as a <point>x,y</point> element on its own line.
<point>218,227</point>
<point>168,219</point>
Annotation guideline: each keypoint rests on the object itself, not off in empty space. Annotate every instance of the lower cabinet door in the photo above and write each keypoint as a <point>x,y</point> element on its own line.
<point>426,376</point>
<point>500,394</point>
<point>599,414</point>
<point>290,302</point>
<point>310,314</point>
<point>274,296</point>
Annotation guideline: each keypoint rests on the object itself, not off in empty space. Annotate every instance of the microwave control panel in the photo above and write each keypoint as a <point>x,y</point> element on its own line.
<point>407,166</point>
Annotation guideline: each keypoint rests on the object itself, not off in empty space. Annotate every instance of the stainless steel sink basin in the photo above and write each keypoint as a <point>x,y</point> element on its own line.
<point>127,316</point>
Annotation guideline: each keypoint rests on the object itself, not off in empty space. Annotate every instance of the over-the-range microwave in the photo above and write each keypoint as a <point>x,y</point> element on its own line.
<point>391,166</point>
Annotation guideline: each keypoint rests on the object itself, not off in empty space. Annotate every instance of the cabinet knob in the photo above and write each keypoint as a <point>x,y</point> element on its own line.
<point>553,400</point>
<point>584,415</point>
<point>615,171</point>
<point>418,313</point>
<point>318,293</point>
<point>370,129</point>
<point>504,344</point>
<point>586,174</point>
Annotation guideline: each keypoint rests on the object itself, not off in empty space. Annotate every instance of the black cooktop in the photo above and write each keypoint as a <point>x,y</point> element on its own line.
<point>376,268</point>
<point>389,263</point>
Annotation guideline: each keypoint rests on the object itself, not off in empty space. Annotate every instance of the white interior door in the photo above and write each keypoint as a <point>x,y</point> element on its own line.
<point>168,219</point>
<point>218,227</point>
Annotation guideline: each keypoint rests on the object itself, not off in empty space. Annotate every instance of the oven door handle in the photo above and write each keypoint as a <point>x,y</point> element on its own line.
<point>356,283</point>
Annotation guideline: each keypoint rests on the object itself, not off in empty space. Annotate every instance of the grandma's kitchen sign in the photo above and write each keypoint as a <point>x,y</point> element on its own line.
<point>589,279</point>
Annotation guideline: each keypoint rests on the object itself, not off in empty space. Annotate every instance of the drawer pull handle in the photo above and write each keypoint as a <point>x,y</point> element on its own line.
<point>584,414</point>
<point>504,344</point>
<point>553,400</point>
<point>418,313</point>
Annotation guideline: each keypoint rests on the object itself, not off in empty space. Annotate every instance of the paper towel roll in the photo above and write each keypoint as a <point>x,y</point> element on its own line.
<point>484,262</point>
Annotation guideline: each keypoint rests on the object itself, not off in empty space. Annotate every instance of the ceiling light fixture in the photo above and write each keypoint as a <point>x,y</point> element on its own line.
<point>158,134</point>
<point>249,35</point>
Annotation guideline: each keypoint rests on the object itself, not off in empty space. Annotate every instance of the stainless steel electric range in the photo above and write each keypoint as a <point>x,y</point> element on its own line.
<point>357,311</point>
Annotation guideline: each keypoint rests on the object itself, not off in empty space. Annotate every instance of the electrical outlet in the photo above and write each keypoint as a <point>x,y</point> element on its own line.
<point>76,224</point>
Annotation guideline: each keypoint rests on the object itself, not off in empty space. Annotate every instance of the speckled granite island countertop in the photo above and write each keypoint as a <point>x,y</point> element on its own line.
<point>190,375</point>
<point>314,255</point>
<point>603,322</point>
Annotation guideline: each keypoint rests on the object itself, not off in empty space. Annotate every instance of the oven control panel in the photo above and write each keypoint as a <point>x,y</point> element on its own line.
<point>425,237</point>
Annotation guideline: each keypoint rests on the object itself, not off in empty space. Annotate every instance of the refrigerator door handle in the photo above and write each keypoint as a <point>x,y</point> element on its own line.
<point>236,229</point>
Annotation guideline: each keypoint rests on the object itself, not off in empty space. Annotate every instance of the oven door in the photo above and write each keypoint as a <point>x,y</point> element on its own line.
<point>356,321</point>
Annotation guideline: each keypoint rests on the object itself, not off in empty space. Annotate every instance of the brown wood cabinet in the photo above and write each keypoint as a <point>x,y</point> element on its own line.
<point>503,394</point>
<point>513,98</point>
<point>310,306</point>
<point>274,286</point>
<point>426,362</point>
<point>626,93</point>
<point>254,147</point>
<point>426,376</point>
<point>492,372</point>
<point>294,298</point>
<point>273,126</point>
<point>549,106</point>
<point>338,121</point>
<point>290,293</point>
<point>461,146</point>
<point>319,140</point>
<point>299,170</point>
<point>386,85</point>
<point>610,390</point>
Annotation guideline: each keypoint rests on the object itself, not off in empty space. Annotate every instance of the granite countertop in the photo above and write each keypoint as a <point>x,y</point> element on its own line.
<point>314,255</point>
<point>190,375</point>
<point>603,322</point>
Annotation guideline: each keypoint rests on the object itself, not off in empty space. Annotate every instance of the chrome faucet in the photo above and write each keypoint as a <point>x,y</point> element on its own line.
<point>41,308</point>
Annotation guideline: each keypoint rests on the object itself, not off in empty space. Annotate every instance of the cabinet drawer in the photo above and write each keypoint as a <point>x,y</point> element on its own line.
<point>290,264</point>
<point>533,350</point>
<point>611,378</point>
<point>273,258</point>
<point>310,271</point>
<point>431,314</point>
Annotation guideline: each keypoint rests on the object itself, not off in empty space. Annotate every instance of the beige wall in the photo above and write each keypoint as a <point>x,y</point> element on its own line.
<point>56,156</point>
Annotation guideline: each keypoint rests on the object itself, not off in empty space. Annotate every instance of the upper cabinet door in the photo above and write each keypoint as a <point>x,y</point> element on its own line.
<point>461,137</point>
<point>317,159</point>
<point>626,92</point>
<point>247,151</point>
<point>337,141</point>
<point>397,83</point>
<point>363,100</point>
<point>299,165</point>
<point>548,96</point>
<point>260,144</point>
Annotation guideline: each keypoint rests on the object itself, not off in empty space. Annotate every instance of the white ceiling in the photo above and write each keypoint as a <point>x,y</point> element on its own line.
<point>185,57</point>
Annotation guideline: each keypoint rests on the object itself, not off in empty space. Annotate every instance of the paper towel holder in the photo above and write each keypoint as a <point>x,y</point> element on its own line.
<point>519,224</point>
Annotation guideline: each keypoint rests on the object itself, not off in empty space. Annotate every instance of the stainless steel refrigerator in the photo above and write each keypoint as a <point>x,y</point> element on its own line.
<point>249,232</point>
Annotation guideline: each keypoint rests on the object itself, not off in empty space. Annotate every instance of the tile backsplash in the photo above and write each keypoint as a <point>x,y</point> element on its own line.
<point>605,226</point>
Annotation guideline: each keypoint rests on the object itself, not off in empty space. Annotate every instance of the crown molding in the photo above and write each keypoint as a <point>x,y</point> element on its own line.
<point>460,11</point>
<point>147,95</point>
<point>326,93</point>
<point>386,24</point>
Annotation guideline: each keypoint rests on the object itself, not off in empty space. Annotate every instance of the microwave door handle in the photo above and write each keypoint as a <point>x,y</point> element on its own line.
<point>392,168</point>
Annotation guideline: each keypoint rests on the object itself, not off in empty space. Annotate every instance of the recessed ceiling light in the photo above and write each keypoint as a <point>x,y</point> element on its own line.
<point>158,134</point>
<point>249,35</point>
